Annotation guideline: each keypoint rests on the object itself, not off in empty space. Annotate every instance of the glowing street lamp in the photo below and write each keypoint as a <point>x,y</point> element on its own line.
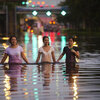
<point>34,13</point>
<point>48,13</point>
<point>27,3</point>
<point>43,2</point>
<point>30,1</point>
<point>38,3</point>
<point>23,3</point>
<point>33,5</point>
<point>63,13</point>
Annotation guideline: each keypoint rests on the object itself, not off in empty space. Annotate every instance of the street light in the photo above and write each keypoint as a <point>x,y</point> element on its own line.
<point>27,2</point>
<point>63,13</point>
<point>23,3</point>
<point>48,13</point>
<point>33,5</point>
<point>34,13</point>
<point>52,22</point>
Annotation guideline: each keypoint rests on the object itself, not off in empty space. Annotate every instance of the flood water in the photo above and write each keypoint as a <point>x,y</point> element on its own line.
<point>33,84</point>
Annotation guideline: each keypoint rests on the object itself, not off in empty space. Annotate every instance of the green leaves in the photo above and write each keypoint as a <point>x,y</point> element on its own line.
<point>83,11</point>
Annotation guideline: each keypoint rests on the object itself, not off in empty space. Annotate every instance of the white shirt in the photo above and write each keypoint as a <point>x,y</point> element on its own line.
<point>46,56</point>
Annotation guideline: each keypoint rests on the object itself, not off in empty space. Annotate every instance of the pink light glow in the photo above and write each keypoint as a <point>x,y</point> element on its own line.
<point>33,3</point>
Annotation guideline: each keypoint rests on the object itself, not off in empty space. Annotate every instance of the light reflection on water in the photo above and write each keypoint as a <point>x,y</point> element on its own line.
<point>34,47</point>
<point>34,84</point>
<point>7,87</point>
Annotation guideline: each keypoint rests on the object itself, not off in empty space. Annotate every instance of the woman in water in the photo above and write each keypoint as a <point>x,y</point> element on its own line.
<point>15,53</point>
<point>47,53</point>
<point>71,53</point>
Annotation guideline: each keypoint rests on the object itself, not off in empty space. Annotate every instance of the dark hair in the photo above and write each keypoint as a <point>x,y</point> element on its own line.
<point>45,37</point>
<point>11,38</point>
<point>71,38</point>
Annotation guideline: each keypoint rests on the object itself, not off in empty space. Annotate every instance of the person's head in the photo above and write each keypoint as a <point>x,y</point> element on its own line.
<point>46,40</point>
<point>13,40</point>
<point>70,41</point>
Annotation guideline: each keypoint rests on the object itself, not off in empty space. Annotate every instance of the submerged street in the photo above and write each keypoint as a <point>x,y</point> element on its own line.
<point>33,84</point>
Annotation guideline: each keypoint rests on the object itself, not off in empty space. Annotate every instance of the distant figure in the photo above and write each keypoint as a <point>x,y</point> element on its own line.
<point>47,54</point>
<point>15,53</point>
<point>71,53</point>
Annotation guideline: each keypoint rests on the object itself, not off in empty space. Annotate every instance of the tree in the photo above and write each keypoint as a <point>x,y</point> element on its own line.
<point>83,13</point>
<point>11,4</point>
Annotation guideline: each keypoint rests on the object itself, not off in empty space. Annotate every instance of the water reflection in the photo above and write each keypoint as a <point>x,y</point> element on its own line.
<point>34,47</point>
<point>37,83</point>
<point>7,87</point>
<point>47,70</point>
<point>63,44</point>
<point>11,81</point>
<point>52,37</point>
<point>5,45</point>
<point>75,88</point>
<point>40,41</point>
<point>25,82</point>
<point>72,81</point>
<point>26,41</point>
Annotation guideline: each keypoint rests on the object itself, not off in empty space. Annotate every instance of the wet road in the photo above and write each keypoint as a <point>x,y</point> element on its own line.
<point>33,84</point>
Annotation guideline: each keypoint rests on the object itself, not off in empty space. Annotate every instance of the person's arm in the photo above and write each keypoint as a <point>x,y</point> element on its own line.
<point>4,58</point>
<point>53,56</point>
<point>62,54</point>
<point>60,57</point>
<point>24,57</point>
<point>38,58</point>
<point>76,53</point>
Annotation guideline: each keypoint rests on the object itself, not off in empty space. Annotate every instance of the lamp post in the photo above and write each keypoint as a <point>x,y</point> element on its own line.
<point>6,21</point>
